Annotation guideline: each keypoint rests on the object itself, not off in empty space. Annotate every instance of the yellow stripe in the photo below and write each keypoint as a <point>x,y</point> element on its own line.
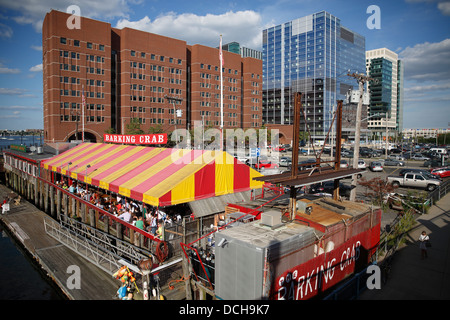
<point>150,172</point>
<point>182,183</point>
<point>74,174</point>
<point>184,191</point>
<point>57,161</point>
<point>130,166</point>
<point>253,183</point>
<point>152,195</point>
<point>112,163</point>
<point>224,174</point>
<point>99,159</point>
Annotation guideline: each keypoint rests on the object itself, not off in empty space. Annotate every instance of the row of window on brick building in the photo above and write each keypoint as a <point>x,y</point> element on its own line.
<point>133,53</point>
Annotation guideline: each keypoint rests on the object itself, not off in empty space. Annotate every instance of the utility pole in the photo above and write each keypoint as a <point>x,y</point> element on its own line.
<point>362,79</point>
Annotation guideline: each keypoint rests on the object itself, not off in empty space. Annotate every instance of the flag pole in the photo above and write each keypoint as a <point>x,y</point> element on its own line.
<point>221,92</point>
<point>83,104</point>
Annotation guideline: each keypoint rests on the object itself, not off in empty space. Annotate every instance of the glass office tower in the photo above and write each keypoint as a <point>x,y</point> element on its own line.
<point>381,87</point>
<point>311,55</point>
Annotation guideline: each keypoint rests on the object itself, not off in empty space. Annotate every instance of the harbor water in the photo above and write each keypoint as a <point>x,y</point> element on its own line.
<point>6,141</point>
<point>20,277</point>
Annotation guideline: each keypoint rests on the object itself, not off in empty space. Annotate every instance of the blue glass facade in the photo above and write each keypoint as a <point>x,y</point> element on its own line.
<point>310,55</point>
<point>381,87</point>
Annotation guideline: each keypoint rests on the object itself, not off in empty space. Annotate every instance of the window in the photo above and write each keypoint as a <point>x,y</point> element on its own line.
<point>101,47</point>
<point>63,40</point>
<point>76,43</point>
<point>89,45</point>
<point>142,54</point>
<point>133,53</point>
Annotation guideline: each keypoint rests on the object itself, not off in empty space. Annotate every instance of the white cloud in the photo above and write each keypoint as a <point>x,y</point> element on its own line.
<point>12,91</point>
<point>444,7</point>
<point>428,88</point>
<point>36,68</point>
<point>16,109</point>
<point>241,26</point>
<point>4,70</point>
<point>5,31</point>
<point>37,48</point>
<point>427,61</point>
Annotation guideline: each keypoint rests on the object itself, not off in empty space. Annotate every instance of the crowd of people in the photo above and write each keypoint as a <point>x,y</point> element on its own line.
<point>140,215</point>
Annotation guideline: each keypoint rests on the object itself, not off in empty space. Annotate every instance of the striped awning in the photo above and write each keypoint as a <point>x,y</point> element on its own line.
<point>157,176</point>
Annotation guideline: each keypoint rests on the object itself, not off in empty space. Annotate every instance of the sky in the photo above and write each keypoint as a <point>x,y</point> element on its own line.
<point>417,30</point>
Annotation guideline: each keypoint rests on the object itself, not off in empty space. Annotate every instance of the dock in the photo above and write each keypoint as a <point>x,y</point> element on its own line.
<point>26,223</point>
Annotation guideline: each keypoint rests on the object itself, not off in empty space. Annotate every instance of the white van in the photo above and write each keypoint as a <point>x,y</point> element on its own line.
<point>439,150</point>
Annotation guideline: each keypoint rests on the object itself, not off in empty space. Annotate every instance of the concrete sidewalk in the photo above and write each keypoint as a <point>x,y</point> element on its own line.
<point>412,278</point>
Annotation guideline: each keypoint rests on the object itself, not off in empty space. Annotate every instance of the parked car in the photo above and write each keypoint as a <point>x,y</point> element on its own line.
<point>328,187</point>
<point>280,149</point>
<point>376,166</point>
<point>361,164</point>
<point>434,163</point>
<point>347,154</point>
<point>421,171</point>
<point>344,164</point>
<point>393,162</point>
<point>397,157</point>
<point>419,157</point>
<point>243,160</point>
<point>266,164</point>
<point>441,172</point>
<point>366,153</point>
<point>302,151</point>
<point>416,180</point>
<point>285,162</point>
<point>307,164</point>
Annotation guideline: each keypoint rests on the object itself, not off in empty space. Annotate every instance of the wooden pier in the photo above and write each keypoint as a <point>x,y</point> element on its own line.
<point>25,222</point>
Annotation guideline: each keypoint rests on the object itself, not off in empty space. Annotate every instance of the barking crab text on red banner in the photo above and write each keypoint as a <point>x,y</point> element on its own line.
<point>160,138</point>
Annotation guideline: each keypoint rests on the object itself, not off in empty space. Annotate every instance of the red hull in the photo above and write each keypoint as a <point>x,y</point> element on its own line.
<point>319,274</point>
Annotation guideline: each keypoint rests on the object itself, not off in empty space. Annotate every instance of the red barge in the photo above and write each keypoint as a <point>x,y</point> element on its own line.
<point>327,241</point>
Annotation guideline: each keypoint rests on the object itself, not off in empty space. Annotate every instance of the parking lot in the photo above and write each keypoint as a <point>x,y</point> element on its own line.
<point>367,174</point>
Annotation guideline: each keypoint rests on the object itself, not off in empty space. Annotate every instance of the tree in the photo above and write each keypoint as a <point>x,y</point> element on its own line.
<point>376,189</point>
<point>134,127</point>
<point>158,128</point>
<point>110,131</point>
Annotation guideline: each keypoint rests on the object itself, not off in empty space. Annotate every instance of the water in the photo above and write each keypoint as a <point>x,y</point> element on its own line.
<point>20,277</point>
<point>6,141</point>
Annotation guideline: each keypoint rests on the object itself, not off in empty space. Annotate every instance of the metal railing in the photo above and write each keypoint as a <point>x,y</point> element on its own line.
<point>437,194</point>
<point>93,252</point>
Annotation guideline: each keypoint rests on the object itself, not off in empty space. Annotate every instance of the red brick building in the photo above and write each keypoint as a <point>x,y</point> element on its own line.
<point>129,74</point>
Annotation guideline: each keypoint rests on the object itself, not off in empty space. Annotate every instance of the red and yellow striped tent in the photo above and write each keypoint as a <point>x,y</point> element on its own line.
<point>157,176</point>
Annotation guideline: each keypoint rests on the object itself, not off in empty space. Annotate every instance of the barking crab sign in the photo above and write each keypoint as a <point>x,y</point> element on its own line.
<point>160,138</point>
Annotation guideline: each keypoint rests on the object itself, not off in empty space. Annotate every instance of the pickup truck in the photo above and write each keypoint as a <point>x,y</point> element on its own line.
<point>414,179</point>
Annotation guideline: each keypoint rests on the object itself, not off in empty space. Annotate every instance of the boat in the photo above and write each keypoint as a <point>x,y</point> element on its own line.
<point>272,257</point>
